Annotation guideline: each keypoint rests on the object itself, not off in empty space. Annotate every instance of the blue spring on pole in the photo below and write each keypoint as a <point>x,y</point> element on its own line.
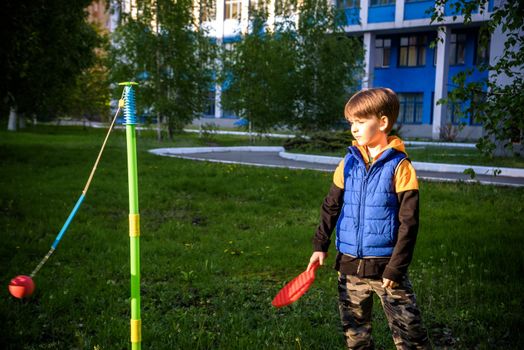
<point>130,109</point>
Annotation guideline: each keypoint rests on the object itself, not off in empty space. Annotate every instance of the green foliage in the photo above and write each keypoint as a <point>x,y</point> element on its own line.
<point>472,174</point>
<point>218,241</point>
<point>89,96</point>
<point>327,141</point>
<point>499,108</point>
<point>330,63</point>
<point>260,76</point>
<point>208,132</point>
<point>49,45</point>
<point>429,153</point>
<point>298,74</point>
<point>173,61</point>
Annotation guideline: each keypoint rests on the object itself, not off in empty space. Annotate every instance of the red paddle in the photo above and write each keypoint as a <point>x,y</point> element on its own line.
<point>292,291</point>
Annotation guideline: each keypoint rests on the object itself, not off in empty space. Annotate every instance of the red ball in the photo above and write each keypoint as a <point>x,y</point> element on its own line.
<point>21,286</point>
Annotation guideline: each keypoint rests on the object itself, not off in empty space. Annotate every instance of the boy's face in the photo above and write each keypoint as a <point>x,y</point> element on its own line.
<point>368,131</point>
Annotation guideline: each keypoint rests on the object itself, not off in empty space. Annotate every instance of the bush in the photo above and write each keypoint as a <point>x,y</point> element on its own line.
<point>321,141</point>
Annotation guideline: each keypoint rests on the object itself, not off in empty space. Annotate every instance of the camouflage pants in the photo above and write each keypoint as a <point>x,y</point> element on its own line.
<point>399,304</point>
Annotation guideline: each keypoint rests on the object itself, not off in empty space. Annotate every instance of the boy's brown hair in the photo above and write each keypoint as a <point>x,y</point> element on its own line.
<point>374,102</point>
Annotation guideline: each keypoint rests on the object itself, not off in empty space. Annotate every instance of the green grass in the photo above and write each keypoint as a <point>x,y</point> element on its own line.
<point>438,154</point>
<point>461,156</point>
<point>218,241</point>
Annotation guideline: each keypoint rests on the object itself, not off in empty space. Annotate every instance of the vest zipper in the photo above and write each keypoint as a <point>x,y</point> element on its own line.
<point>359,265</point>
<point>362,214</point>
<point>363,196</point>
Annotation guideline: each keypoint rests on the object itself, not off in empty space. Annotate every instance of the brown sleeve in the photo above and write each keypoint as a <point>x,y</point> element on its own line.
<point>329,212</point>
<point>407,236</point>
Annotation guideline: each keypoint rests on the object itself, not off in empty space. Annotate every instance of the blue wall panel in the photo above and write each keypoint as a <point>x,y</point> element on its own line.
<point>379,14</point>
<point>469,63</point>
<point>417,10</point>
<point>422,79</point>
<point>409,79</point>
<point>352,15</point>
<point>450,10</point>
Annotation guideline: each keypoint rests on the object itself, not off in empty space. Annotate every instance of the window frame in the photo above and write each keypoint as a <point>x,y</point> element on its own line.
<point>417,104</point>
<point>381,3</point>
<point>453,111</point>
<point>210,108</point>
<point>420,46</point>
<point>343,4</point>
<point>208,10</point>
<point>229,9</point>
<point>478,48</point>
<point>383,47</point>
<point>454,48</point>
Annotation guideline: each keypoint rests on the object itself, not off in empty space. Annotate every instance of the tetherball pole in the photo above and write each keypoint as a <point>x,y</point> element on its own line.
<point>134,218</point>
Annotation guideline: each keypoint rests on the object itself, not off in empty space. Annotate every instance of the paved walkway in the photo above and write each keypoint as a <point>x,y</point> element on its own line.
<point>277,157</point>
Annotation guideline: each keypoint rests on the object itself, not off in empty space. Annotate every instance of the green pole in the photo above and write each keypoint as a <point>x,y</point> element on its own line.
<point>134,217</point>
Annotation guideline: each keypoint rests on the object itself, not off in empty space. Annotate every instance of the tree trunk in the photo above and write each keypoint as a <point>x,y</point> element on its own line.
<point>500,150</point>
<point>13,120</point>
<point>170,131</point>
<point>158,128</point>
<point>21,122</point>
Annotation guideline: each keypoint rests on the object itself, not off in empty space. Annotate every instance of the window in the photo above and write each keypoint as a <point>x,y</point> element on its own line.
<point>381,2</point>
<point>454,113</point>
<point>232,9</point>
<point>476,119</point>
<point>413,51</point>
<point>207,10</point>
<point>348,4</point>
<point>382,52</point>
<point>410,108</point>
<point>482,52</point>
<point>477,114</point>
<point>210,106</point>
<point>230,46</point>
<point>457,48</point>
<point>466,112</point>
<point>255,5</point>
<point>285,7</point>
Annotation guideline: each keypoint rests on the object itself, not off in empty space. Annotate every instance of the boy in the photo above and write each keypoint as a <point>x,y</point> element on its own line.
<point>373,202</point>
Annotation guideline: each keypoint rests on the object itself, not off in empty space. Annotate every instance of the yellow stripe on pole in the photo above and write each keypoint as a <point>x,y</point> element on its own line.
<point>134,225</point>
<point>136,331</point>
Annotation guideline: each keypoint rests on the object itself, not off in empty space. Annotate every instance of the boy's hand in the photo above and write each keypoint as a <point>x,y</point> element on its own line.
<point>386,283</point>
<point>317,256</point>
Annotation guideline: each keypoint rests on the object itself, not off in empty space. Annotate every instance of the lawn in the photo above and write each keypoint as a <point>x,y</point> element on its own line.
<point>218,241</point>
<point>447,155</point>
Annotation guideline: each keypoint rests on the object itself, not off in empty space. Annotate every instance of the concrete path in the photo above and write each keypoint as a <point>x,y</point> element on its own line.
<point>277,157</point>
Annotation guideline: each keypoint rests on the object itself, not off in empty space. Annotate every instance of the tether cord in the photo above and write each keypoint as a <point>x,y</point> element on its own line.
<point>50,252</point>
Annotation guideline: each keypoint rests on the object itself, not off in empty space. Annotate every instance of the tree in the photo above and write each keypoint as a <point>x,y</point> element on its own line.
<point>172,59</point>
<point>89,96</point>
<point>294,75</point>
<point>499,107</point>
<point>329,65</point>
<point>260,75</point>
<point>46,45</point>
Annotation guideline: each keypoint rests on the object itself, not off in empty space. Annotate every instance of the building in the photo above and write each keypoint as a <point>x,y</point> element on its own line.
<point>396,36</point>
<point>99,15</point>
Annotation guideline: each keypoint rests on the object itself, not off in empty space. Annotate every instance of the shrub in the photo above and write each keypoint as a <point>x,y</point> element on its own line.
<point>321,141</point>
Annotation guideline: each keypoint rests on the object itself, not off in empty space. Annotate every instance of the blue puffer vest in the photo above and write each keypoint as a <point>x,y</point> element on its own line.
<point>368,223</point>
